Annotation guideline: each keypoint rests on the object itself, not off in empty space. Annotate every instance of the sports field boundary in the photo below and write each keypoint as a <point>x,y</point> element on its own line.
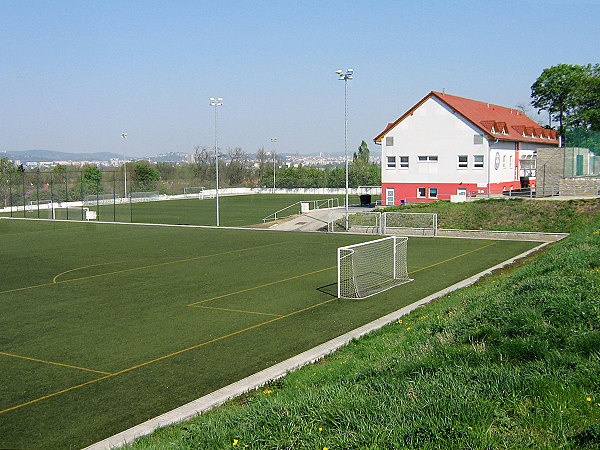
<point>442,233</point>
<point>279,370</point>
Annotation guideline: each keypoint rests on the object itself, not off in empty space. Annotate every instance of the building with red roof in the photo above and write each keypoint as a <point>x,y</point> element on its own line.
<point>447,145</point>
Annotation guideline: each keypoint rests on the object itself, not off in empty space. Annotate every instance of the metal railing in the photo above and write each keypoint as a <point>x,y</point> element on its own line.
<point>297,208</point>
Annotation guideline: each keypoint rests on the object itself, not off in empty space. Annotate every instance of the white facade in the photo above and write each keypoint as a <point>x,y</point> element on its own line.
<point>435,150</point>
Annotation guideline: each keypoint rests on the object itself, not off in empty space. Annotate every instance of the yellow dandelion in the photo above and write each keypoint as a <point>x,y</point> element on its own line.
<point>235,442</point>
<point>325,448</point>
<point>400,321</point>
<point>267,391</point>
<point>313,374</point>
<point>320,428</point>
<point>589,399</point>
<point>470,428</point>
<point>408,328</point>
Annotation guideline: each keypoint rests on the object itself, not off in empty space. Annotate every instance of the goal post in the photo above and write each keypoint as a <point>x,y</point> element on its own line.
<point>372,267</point>
<point>409,223</point>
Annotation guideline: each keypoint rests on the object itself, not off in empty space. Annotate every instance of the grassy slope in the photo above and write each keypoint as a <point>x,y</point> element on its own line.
<point>511,362</point>
<point>512,214</point>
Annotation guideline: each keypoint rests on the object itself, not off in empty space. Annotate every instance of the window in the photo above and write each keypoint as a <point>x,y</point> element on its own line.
<point>391,162</point>
<point>510,162</point>
<point>463,161</point>
<point>477,139</point>
<point>504,162</point>
<point>404,162</point>
<point>433,192</point>
<point>421,192</point>
<point>428,158</point>
<point>478,161</point>
<point>389,141</point>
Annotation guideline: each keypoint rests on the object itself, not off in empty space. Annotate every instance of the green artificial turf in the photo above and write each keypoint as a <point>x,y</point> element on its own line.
<point>511,362</point>
<point>105,325</point>
<point>234,211</point>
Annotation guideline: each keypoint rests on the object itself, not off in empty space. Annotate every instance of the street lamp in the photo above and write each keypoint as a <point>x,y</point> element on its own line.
<point>216,102</point>
<point>346,76</point>
<point>273,141</point>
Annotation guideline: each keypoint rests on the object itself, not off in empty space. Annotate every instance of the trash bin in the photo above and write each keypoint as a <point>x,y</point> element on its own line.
<point>365,200</point>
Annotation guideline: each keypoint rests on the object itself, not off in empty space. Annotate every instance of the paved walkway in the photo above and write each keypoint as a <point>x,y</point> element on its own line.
<point>317,218</point>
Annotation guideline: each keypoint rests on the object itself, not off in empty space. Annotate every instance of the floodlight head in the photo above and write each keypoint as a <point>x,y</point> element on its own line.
<point>212,99</point>
<point>219,99</point>
<point>350,70</point>
<point>339,72</point>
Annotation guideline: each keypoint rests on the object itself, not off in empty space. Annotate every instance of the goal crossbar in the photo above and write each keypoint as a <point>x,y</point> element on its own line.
<point>372,267</point>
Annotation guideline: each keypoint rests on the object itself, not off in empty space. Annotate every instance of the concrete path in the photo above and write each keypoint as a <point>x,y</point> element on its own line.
<point>316,219</point>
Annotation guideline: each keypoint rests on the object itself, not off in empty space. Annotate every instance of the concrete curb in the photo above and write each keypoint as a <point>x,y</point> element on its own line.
<point>261,378</point>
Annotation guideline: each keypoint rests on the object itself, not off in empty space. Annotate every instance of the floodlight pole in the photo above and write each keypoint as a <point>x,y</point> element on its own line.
<point>273,141</point>
<point>216,102</point>
<point>124,136</point>
<point>346,76</point>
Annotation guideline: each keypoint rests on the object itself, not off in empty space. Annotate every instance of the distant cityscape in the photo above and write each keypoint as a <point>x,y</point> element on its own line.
<point>45,159</point>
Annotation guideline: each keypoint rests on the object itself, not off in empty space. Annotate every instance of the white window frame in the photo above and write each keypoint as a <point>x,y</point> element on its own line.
<point>478,164</point>
<point>390,162</point>
<point>424,192</point>
<point>427,158</point>
<point>402,164</point>
<point>463,164</point>
<point>430,193</point>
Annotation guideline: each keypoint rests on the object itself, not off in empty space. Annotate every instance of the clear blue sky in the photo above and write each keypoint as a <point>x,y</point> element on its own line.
<point>75,74</point>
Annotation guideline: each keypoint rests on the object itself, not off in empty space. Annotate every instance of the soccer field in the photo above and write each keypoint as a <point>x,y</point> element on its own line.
<point>235,211</point>
<point>103,326</point>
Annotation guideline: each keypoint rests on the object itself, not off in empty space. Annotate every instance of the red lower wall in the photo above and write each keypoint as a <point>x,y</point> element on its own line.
<point>408,192</point>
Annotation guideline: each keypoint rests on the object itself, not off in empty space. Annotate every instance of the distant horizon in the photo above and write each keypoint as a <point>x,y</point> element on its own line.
<point>76,75</point>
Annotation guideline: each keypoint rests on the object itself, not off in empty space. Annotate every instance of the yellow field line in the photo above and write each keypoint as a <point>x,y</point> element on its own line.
<point>165,357</point>
<point>53,363</point>
<point>262,286</point>
<point>140,268</point>
<point>454,257</point>
<point>237,310</point>
<point>83,267</point>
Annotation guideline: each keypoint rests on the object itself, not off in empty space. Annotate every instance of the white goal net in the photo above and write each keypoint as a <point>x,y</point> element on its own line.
<point>413,224</point>
<point>372,267</point>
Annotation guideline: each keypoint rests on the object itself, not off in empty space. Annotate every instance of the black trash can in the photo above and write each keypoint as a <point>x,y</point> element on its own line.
<point>365,200</point>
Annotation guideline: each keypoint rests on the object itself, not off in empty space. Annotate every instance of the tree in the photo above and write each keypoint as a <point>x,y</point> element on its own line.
<point>363,153</point>
<point>262,160</point>
<point>558,90</point>
<point>145,177</point>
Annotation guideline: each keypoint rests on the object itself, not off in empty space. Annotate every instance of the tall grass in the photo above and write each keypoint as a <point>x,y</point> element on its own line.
<point>511,362</point>
<point>513,214</point>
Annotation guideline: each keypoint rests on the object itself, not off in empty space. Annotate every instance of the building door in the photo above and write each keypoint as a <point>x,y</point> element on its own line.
<point>389,196</point>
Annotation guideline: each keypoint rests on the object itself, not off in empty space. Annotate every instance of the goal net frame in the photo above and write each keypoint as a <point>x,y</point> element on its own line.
<point>150,196</point>
<point>372,267</point>
<point>411,223</point>
<point>72,213</point>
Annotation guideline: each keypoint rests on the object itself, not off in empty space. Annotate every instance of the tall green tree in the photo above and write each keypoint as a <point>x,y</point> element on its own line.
<point>557,91</point>
<point>145,177</point>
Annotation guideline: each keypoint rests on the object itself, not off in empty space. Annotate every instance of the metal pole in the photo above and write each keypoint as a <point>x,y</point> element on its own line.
<point>24,209</point>
<point>346,141</point>
<point>37,188</point>
<point>273,140</point>
<point>216,166</point>
<point>216,102</point>
<point>348,75</point>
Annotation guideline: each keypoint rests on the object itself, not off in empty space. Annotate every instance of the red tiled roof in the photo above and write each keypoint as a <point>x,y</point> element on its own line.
<point>498,122</point>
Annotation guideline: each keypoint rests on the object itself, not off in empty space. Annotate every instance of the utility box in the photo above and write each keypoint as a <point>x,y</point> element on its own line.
<point>304,207</point>
<point>365,200</point>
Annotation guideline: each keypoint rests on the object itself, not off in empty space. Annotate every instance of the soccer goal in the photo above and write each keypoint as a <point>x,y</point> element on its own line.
<point>152,196</point>
<point>407,223</point>
<point>194,191</point>
<point>71,213</point>
<point>372,267</point>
